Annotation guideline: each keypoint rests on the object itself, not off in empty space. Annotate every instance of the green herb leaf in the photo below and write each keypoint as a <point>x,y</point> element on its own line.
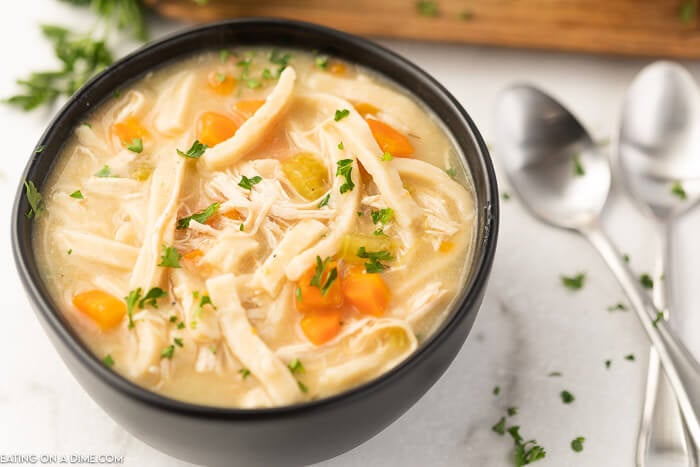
<point>567,397</point>
<point>578,167</point>
<point>524,454</point>
<point>574,282</point>
<point>659,317</point>
<point>608,363</point>
<point>324,200</point>
<point>195,151</point>
<point>341,114</point>
<point>168,352</point>
<point>181,325</point>
<point>245,372</point>
<point>630,357</point>
<point>322,62</point>
<point>646,281</point>
<point>39,149</point>
<point>500,427</point>
<point>512,411</point>
<point>170,258</point>
<point>77,194</point>
<point>131,301</point>
<point>555,374</point>
<point>345,170</point>
<point>104,172</point>
<point>505,196</point>
<point>136,145</point>
<point>200,216</point>
<point>496,390</point>
<point>452,172</point>
<point>318,280</point>
<point>178,341</point>
<point>341,146</point>
<point>387,156</point>
<point>678,191</point>
<point>302,387</point>
<point>617,307</point>
<point>151,297</point>
<point>108,360</point>
<point>247,183</point>
<point>374,265</point>
<point>382,216</point>
<point>427,8</point>
<point>577,444</point>
<point>295,366</point>
<point>297,294</point>
<point>34,198</point>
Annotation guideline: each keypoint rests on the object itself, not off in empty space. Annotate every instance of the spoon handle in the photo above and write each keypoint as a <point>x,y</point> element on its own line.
<point>682,370</point>
<point>663,437</point>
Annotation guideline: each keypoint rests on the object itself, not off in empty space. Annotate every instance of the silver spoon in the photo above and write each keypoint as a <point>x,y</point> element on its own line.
<point>659,152</point>
<point>544,149</point>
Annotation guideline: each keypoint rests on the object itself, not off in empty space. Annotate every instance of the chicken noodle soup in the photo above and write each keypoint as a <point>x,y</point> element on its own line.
<point>256,228</point>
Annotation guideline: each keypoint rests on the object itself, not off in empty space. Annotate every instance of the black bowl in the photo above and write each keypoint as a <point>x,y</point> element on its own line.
<point>292,435</point>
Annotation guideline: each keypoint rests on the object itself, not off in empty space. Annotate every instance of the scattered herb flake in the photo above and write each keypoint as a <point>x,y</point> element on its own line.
<point>104,172</point>
<point>170,258</point>
<point>70,251</point>
<point>200,216</point>
<point>451,171</point>
<point>295,366</point>
<point>341,146</point>
<point>659,317</point>
<point>341,114</point>
<point>374,265</point>
<point>608,363</point>
<point>322,62</point>
<point>135,146</point>
<point>247,183</point>
<point>496,390</point>
<point>574,282</point>
<point>168,352</point>
<point>500,427</point>
<point>382,216</point>
<point>577,444</point>
<point>151,296</point>
<point>181,325</point>
<point>567,397</point>
<point>195,151</point>
<point>578,166</point>
<point>646,281</point>
<point>39,149</point>
<point>618,307</point>
<point>678,191</point>
<point>630,357</point>
<point>297,294</point>
<point>34,198</point>
<point>324,200</point>
<point>77,194</point>
<point>302,387</point>
<point>178,341</point>
<point>505,196</point>
<point>512,411</point>
<point>131,301</point>
<point>245,372</point>
<point>108,360</point>
<point>626,258</point>
<point>387,156</point>
<point>555,374</point>
<point>345,170</point>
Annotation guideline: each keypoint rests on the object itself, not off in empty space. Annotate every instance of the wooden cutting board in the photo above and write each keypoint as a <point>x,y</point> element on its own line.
<point>657,28</point>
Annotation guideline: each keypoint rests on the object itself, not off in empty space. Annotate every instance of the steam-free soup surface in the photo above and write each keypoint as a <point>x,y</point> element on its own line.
<point>256,228</point>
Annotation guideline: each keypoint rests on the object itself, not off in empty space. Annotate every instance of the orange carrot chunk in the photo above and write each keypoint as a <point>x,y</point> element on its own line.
<point>104,309</point>
<point>390,140</point>
<point>309,298</point>
<point>193,255</point>
<point>365,109</point>
<point>214,128</point>
<point>248,107</point>
<point>321,326</point>
<point>337,68</point>
<point>129,129</point>
<point>366,292</point>
<point>221,83</point>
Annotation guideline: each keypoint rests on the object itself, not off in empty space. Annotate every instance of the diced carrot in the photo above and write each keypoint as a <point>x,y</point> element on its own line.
<point>193,255</point>
<point>309,298</point>
<point>214,128</point>
<point>129,129</point>
<point>365,109</point>
<point>446,246</point>
<point>232,214</point>
<point>389,139</point>
<point>337,68</point>
<point>221,83</point>
<point>104,309</point>
<point>248,107</point>
<point>320,326</point>
<point>367,292</point>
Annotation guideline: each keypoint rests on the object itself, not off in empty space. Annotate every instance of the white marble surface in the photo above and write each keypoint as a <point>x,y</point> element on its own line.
<point>529,325</point>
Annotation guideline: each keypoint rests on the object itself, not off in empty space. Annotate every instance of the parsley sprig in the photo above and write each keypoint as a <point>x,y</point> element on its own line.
<point>345,170</point>
<point>322,279</point>
<point>374,265</point>
<point>200,216</point>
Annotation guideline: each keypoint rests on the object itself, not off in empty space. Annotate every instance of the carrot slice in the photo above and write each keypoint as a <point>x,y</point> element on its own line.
<point>221,83</point>
<point>320,326</point>
<point>367,292</point>
<point>104,309</point>
<point>248,107</point>
<point>214,128</point>
<point>193,255</point>
<point>389,139</point>
<point>337,68</point>
<point>309,298</point>
<point>365,109</point>
<point>129,129</point>
<point>446,246</point>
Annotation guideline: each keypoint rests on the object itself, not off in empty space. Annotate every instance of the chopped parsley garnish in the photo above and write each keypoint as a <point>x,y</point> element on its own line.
<point>151,297</point>
<point>608,363</point>
<point>247,183</point>
<point>241,227</point>
<point>555,374</point>
<point>678,190</point>
<point>574,282</point>
<point>108,360</point>
<point>452,172</point>
<point>135,146</point>
<point>567,397</point>
<point>341,114</point>
<point>245,372</point>
<point>77,194</point>
<point>324,200</point>
<point>322,62</point>
<point>496,390</point>
<point>302,387</point>
<point>427,8</point>
<point>577,444</point>
<point>626,258</point>
<point>212,349</point>
<point>104,172</point>
<point>34,198</point>
<point>659,317</point>
<point>512,411</point>
<point>70,251</point>
<point>195,151</point>
<point>630,357</point>
<point>168,352</point>
<point>131,301</point>
<point>341,146</point>
<point>578,167</point>
<point>374,265</point>
<point>295,366</point>
<point>173,319</point>
<point>170,258</point>
<point>200,216</point>
<point>646,281</point>
<point>345,170</point>
<point>317,280</point>
<point>297,294</point>
<point>383,216</point>
<point>280,58</point>
<point>617,307</point>
<point>178,342</point>
<point>387,156</point>
<point>505,196</point>
<point>500,427</point>
<point>203,300</point>
<point>181,325</point>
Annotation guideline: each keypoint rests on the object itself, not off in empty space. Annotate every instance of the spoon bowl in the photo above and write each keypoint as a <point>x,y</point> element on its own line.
<point>551,158</point>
